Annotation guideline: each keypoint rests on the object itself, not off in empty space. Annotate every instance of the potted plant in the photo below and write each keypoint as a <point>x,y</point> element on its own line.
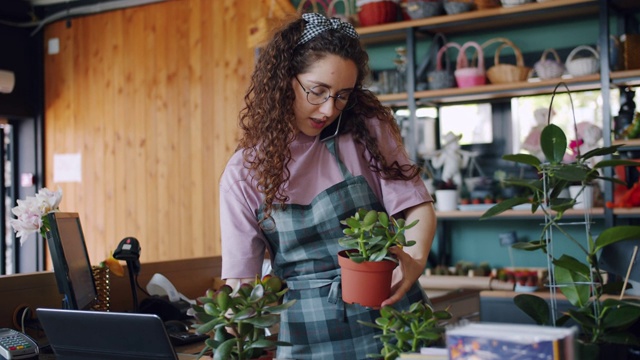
<point>237,320</point>
<point>368,237</point>
<point>602,320</point>
<point>409,330</point>
<point>446,195</point>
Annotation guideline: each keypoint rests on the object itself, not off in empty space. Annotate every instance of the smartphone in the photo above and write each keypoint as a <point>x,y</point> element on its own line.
<point>331,131</point>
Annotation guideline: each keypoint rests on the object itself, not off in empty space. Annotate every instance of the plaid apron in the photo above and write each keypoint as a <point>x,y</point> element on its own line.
<point>303,243</point>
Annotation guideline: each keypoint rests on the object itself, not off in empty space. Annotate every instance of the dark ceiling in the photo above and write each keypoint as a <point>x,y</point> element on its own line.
<point>23,12</point>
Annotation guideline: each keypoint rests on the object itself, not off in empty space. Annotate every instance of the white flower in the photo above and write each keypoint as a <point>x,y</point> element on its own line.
<point>31,211</point>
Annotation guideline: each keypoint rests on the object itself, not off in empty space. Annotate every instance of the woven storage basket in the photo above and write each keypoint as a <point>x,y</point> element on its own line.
<point>487,4</point>
<point>509,3</point>
<point>442,78</point>
<point>467,76</point>
<point>630,44</point>
<point>549,68</point>
<point>348,15</point>
<point>420,9</point>
<point>377,12</point>
<point>452,7</point>
<point>585,65</point>
<point>508,73</point>
<point>308,6</point>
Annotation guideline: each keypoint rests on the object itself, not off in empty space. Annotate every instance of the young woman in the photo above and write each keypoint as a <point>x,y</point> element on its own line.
<point>315,148</point>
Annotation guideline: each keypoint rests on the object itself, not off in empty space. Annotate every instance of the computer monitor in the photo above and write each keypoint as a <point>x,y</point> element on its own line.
<point>70,261</point>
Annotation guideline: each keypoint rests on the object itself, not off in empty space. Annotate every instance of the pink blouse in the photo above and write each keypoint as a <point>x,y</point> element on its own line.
<point>313,169</point>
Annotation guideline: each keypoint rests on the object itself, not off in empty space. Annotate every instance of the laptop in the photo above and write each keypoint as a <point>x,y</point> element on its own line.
<point>83,335</point>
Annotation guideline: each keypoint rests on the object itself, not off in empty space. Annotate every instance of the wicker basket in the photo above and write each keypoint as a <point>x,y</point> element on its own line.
<point>509,3</point>
<point>585,65</point>
<point>487,4</point>
<point>549,68</point>
<point>630,49</point>
<point>467,76</point>
<point>348,15</point>
<point>420,9</point>
<point>442,78</point>
<point>377,12</point>
<point>508,73</point>
<point>452,7</point>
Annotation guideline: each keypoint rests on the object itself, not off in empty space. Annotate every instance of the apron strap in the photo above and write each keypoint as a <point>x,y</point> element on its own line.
<point>332,145</point>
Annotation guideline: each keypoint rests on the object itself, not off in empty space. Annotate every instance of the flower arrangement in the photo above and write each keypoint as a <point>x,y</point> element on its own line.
<point>31,213</point>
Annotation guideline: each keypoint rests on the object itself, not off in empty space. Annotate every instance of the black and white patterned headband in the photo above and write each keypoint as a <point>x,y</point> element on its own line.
<point>317,23</point>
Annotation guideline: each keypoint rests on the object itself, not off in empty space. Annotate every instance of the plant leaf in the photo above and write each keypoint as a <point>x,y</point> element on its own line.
<point>503,206</point>
<point>572,264</point>
<point>615,234</point>
<point>601,151</point>
<point>223,352</point>
<point>553,143</point>
<point>534,306</point>
<point>527,159</point>
<point>572,173</point>
<point>577,294</point>
<point>529,246</point>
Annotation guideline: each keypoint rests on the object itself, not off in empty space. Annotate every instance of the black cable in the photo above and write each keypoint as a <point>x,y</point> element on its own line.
<point>132,282</point>
<point>141,288</point>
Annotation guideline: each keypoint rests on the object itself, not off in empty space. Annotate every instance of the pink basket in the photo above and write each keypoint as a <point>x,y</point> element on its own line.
<point>467,76</point>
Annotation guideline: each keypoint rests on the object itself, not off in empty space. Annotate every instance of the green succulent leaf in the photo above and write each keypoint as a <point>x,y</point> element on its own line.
<point>383,218</point>
<point>223,352</point>
<point>370,218</point>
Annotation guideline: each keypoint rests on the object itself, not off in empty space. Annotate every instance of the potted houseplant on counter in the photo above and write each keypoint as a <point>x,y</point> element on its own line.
<point>368,237</point>
<point>603,320</point>
<point>237,320</point>
<point>410,330</point>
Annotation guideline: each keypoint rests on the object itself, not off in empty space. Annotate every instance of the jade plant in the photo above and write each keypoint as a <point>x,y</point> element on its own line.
<point>237,320</point>
<point>370,234</point>
<point>408,331</point>
<point>602,320</point>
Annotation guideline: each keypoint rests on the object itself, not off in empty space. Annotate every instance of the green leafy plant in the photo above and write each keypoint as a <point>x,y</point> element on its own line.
<point>236,320</point>
<point>370,234</point>
<point>408,331</point>
<point>601,320</point>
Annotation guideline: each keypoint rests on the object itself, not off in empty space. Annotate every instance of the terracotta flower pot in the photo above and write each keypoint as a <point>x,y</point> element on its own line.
<point>367,283</point>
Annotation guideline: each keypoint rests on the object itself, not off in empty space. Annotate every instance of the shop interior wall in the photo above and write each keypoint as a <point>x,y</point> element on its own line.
<point>148,98</point>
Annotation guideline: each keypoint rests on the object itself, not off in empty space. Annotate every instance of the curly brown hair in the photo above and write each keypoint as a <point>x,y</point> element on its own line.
<point>268,123</point>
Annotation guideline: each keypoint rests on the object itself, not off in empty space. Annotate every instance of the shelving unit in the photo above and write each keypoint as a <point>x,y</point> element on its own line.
<point>495,19</point>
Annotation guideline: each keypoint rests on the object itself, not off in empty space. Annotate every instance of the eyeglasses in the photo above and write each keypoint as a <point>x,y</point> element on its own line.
<point>318,95</point>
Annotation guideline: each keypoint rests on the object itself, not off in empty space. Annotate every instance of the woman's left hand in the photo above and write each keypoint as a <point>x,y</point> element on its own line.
<point>413,259</point>
<point>407,273</point>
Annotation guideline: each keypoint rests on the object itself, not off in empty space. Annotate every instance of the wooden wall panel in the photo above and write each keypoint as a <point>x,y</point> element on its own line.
<point>149,96</point>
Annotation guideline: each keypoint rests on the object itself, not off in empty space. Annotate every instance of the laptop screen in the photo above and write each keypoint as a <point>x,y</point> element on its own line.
<point>81,335</point>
